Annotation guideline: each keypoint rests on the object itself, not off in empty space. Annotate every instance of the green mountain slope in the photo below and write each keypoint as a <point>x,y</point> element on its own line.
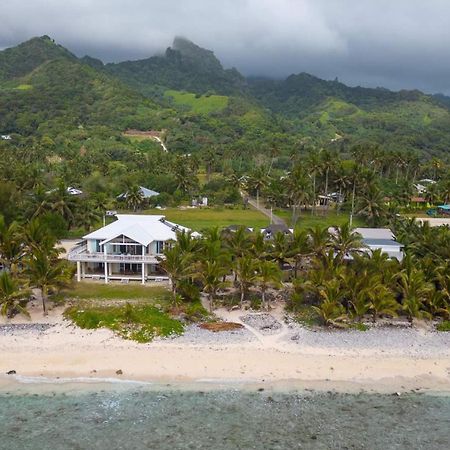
<point>325,110</point>
<point>19,61</point>
<point>59,92</point>
<point>64,98</point>
<point>45,89</point>
<point>184,66</point>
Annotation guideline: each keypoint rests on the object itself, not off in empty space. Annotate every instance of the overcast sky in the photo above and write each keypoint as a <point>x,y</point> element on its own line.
<point>392,43</point>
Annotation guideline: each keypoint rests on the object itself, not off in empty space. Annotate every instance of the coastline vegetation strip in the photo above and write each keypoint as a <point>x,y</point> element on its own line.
<point>141,323</point>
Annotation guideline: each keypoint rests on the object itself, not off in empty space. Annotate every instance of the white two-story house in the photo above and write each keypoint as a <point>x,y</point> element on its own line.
<point>126,249</point>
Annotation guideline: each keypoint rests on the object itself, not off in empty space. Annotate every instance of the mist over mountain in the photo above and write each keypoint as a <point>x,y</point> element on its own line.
<point>187,88</point>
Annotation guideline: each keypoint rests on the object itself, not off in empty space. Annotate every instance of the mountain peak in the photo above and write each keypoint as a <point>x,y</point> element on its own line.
<point>22,59</point>
<point>193,54</point>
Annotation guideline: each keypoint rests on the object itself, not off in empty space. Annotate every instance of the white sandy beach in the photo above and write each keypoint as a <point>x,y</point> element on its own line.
<point>381,360</point>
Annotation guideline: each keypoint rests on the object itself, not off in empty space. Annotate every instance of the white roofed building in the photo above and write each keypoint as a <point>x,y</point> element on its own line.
<point>126,249</point>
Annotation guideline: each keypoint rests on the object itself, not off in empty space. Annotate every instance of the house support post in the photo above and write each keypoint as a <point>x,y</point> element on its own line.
<point>106,264</point>
<point>78,271</point>
<point>143,265</point>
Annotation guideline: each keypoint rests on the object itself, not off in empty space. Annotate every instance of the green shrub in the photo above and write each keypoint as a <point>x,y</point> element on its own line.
<point>358,326</point>
<point>444,326</point>
<point>196,312</point>
<point>306,315</point>
<point>140,323</point>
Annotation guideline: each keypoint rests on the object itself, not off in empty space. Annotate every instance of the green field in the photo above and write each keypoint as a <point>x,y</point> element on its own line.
<point>112,291</point>
<point>198,105</point>
<point>199,219</point>
<point>306,220</point>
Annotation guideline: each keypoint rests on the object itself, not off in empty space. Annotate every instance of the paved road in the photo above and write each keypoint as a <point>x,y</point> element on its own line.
<point>252,202</point>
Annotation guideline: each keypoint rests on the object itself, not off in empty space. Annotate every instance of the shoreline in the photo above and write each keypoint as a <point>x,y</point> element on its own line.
<point>54,353</point>
<point>17,385</point>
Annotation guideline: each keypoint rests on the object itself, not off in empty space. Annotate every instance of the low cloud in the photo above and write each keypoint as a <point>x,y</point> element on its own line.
<point>396,44</point>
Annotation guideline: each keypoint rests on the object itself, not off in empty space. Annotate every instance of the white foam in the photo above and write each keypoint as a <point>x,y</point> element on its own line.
<point>62,380</point>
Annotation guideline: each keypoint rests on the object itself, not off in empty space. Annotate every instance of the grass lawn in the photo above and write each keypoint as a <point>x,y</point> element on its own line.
<point>306,220</point>
<point>199,219</point>
<point>198,105</point>
<point>112,291</point>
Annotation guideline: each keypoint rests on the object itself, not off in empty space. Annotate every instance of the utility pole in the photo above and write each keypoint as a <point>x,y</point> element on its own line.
<point>353,203</point>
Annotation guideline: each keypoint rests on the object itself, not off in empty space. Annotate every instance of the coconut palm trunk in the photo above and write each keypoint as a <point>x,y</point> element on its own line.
<point>44,299</point>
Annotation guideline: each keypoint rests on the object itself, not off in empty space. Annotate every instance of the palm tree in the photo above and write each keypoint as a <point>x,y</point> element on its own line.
<point>346,242</point>
<point>299,248</point>
<point>12,296</point>
<point>299,190</point>
<point>415,290</point>
<point>281,248</point>
<point>319,240</point>
<point>257,181</point>
<point>371,205</point>
<point>86,216</point>
<point>327,164</point>
<point>134,198</point>
<point>63,203</point>
<point>269,274</point>
<point>210,159</point>
<point>210,273</point>
<point>47,273</point>
<point>245,269</point>
<point>330,309</point>
<point>313,167</point>
<point>187,244</point>
<point>381,298</point>
<point>355,293</point>
<point>238,241</point>
<point>12,249</point>
<point>177,266</point>
<point>259,246</point>
<point>38,238</point>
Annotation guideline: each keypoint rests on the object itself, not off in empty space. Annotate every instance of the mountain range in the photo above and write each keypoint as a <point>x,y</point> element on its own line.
<point>48,91</point>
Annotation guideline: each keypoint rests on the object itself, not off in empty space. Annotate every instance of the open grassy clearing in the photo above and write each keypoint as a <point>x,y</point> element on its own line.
<point>330,219</point>
<point>113,291</point>
<point>24,87</point>
<point>199,219</point>
<point>199,105</point>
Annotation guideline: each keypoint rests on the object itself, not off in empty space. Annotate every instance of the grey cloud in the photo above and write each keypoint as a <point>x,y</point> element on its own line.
<point>397,44</point>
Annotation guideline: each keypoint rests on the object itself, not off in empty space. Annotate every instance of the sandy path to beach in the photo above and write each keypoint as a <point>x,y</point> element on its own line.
<point>294,356</point>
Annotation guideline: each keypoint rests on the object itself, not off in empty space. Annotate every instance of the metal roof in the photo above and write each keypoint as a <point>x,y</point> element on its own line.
<point>382,243</point>
<point>140,228</point>
<point>375,233</point>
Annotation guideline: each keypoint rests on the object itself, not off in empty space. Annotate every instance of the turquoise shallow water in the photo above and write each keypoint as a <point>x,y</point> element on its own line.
<point>138,418</point>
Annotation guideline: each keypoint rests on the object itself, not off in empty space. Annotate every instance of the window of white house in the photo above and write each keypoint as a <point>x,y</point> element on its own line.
<point>159,247</point>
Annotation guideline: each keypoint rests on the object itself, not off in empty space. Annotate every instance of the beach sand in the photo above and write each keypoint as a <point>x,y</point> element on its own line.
<point>379,360</point>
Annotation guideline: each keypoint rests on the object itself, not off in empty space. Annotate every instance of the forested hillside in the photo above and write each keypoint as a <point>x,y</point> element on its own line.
<point>184,66</point>
<point>63,122</point>
<point>46,90</point>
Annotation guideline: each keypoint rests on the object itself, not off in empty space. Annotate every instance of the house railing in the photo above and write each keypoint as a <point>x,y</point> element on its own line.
<point>84,255</point>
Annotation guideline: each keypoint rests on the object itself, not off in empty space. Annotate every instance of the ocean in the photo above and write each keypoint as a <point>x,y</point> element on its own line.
<point>143,417</point>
